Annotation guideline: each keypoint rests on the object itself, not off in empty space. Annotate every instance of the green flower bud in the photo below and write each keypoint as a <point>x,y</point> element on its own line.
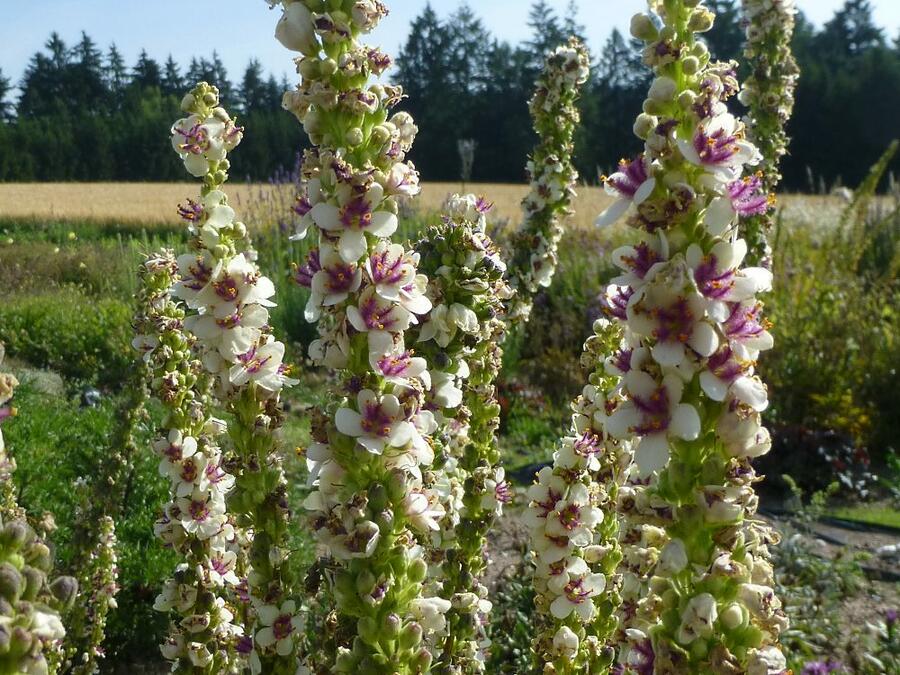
<point>411,635</point>
<point>642,28</point>
<point>34,582</point>
<point>14,534</point>
<point>354,137</point>
<point>417,571</point>
<point>367,629</point>
<point>10,582</point>
<point>701,20</point>
<point>391,625</point>
<point>64,589</point>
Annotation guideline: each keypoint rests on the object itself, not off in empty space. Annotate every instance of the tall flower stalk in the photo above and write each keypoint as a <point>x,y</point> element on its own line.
<point>461,338</point>
<point>690,313</point>
<point>551,173</point>
<point>31,631</point>
<point>769,94</point>
<point>222,283</point>
<point>203,635</point>
<point>374,506</point>
<point>574,525</point>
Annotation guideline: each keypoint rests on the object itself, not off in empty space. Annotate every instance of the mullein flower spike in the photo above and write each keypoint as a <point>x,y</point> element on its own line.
<point>31,631</point>
<point>693,325</point>
<point>375,504</point>
<point>203,634</point>
<point>461,338</point>
<point>552,175</point>
<point>769,94</point>
<point>229,300</point>
<point>574,525</point>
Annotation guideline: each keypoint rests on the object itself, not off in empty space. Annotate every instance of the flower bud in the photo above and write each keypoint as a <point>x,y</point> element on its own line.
<point>354,137</point>
<point>642,28</point>
<point>411,635</point>
<point>673,558</point>
<point>421,662</point>
<point>732,616</point>
<point>644,124</point>
<point>391,626</point>
<point>417,571</point>
<point>367,629</point>
<point>686,99</point>
<point>663,89</point>
<point>701,20</point>
<point>14,534</point>
<point>10,582</point>
<point>64,589</point>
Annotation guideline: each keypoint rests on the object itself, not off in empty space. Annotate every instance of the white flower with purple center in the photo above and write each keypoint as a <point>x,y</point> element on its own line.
<point>654,412</point>
<point>726,374</point>
<point>262,364</point>
<point>373,314</point>
<point>232,329</point>
<point>199,142</point>
<point>574,517</point>
<point>295,29</point>
<point>640,262</point>
<point>281,626</point>
<point>445,321</point>
<point>201,514</point>
<point>719,278</point>
<point>357,216</point>
<point>633,183</point>
<point>392,270</point>
<point>236,282</point>
<point>543,497</point>
<point>497,492</point>
<point>673,318</point>
<point>423,509</point>
<point>719,147</point>
<point>578,596</point>
<point>196,271</point>
<point>741,430</point>
<point>579,452</point>
<point>332,283</point>
<point>698,618</point>
<point>378,422</point>
<point>746,330</point>
<point>220,568</point>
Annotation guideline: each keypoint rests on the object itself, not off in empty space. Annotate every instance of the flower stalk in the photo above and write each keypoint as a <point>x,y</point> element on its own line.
<point>551,174</point>
<point>769,94</point>
<point>375,505</point>
<point>574,525</point>
<point>689,310</point>
<point>461,338</point>
<point>230,299</point>
<point>203,635</point>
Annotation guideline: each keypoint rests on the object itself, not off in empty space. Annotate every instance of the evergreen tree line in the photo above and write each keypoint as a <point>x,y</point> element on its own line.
<point>82,114</point>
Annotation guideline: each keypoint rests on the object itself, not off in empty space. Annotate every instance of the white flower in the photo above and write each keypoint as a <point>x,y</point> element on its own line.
<point>577,596</point>
<point>766,661</point>
<point>698,618</point>
<point>574,517</point>
<point>263,365</point>
<point>430,613</point>
<point>719,147</point>
<point>295,29</point>
<point>47,626</point>
<point>444,322</point>
<point>199,142</point>
<point>423,510</point>
<point>655,413</point>
<point>380,422</point>
<point>333,283</point>
<point>356,216</point>
<point>633,183</point>
<point>280,624</point>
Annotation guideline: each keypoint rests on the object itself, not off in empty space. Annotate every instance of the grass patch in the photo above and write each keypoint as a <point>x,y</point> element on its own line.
<point>868,514</point>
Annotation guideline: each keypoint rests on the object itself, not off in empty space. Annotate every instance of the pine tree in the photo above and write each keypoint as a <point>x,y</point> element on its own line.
<point>253,94</point>
<point>546,30</point>
<point>147,72</point>
<point>172,82</point>
<point>5,105</point>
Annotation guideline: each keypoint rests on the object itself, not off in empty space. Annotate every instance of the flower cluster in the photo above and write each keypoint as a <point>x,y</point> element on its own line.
<point>30,628</point>
<point>230,300</point>
<point>203,635</point>
<point>769,94</point>
<point>374,505</point>
<point>574,525</point>
<point>98,585</point>
<point>460,338</point>
<point>552,175</point>
<point>694,329</point>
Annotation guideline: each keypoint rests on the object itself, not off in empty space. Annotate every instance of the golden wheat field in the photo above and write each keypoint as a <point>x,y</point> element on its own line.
<point>155,203</point>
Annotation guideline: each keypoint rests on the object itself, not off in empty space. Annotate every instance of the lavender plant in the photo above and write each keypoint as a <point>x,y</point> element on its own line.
<point>574,525</point>
<point>222,283</point>
<point>769,94</point>
<point>461,338</point>
<point>690,313</point>
<point>31,631</point>
<point>373,508</point>
<point>203,633</point>
<point>551,173</point>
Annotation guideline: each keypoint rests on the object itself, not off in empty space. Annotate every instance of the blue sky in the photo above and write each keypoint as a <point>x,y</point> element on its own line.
<point>241,29</point>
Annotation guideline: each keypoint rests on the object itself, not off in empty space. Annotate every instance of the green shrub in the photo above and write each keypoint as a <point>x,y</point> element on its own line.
<point>54,437</point>
<point>86,340</point>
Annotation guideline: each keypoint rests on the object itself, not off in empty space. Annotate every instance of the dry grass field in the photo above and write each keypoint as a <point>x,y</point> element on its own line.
<point>155,203</point>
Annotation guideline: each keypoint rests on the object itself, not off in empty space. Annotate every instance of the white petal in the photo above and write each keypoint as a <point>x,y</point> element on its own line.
<point>685,422</point>
<point>668,353</point>
<point>384,224</point>
<point>352,245</point>
<point>652,454</point>
<point>613,213</point>
<point>326,216</point>
<point>348,422</point>
<point>704,339</point>
<point>719,216</point>
<point>644,191</point>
